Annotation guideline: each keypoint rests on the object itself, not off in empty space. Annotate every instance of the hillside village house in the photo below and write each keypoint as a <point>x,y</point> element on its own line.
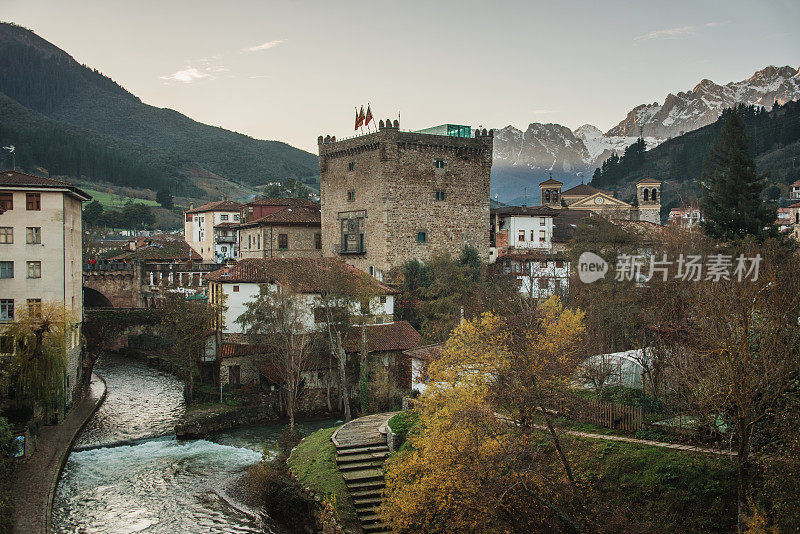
<point>687,217</point>
<point>209,230</point>
<point>239,362</point>
<point>40,256</point>
<point>391,196</point>
<point>279,228</point>
<point>794,190</point>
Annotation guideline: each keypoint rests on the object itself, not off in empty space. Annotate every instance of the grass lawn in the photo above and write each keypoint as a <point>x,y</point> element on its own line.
<point>666,489</point>
<point>111,200</point>
<point>314,464</point>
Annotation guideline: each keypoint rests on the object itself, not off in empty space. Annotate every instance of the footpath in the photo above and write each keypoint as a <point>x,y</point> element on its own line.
<point>37,477</point>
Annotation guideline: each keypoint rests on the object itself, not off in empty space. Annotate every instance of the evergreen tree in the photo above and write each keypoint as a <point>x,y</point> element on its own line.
<point>731,202</point>
<point>164,197</point>
<point>93,213</point>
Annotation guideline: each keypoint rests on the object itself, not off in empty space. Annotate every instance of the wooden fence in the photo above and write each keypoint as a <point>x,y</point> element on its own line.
<point>597,412</point>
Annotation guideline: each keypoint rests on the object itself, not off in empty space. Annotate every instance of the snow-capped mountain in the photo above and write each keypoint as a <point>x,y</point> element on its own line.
<point>702,105</point>
<point>556,148</point>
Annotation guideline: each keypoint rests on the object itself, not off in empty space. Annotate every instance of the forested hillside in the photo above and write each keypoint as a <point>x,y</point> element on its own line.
<point>65,150</point>
<point>774,142</point>
<point>43,78</point>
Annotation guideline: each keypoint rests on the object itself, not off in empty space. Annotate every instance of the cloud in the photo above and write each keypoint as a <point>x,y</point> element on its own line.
<point>678,32</point>
<point>262,46</point>
<point>187,75</point>
<point>543,111</point>
<point>191,74</point>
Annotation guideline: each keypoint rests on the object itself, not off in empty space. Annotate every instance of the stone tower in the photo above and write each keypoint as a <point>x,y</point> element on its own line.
<point>391,196</point>
<point>550,193</point>
<point>648,194</point>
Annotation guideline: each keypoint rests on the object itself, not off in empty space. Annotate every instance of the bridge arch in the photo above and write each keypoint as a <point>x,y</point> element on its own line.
<point>93,298</point>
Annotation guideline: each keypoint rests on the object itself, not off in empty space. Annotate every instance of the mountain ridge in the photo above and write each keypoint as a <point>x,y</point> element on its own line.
<point>42,77</point>
<point>542,149</point>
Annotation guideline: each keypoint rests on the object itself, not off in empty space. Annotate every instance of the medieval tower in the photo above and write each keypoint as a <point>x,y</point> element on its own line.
<point>391,196</point>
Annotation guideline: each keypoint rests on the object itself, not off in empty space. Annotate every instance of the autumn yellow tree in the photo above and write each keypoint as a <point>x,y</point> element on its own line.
<point>478,462</point>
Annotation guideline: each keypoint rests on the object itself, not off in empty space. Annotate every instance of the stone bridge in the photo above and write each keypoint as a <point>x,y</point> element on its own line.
<point>117,284</point>
<point>112,285</point>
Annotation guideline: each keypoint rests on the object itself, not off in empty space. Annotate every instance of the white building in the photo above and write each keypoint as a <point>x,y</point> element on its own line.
<point>237,285</point>
<point>794,191</point>
<point>520,228</point>
<point>687,217</point>
<point>539,274</point>
<point>208,230</point>
<point>41,255</point>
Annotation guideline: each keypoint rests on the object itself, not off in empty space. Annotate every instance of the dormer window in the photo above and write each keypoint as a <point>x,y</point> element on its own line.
<point>351,195</point>
<point>439,163</point>
<point>439,195</point>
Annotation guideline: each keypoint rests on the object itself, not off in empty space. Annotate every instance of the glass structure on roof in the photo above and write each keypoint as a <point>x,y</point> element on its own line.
<point>450,130</point>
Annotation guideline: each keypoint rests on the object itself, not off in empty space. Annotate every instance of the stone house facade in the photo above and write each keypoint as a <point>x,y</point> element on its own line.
<point>391,196</point>
<point>288,230</point>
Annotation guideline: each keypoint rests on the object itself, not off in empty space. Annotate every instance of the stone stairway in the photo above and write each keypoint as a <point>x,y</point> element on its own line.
<point>360,452</point>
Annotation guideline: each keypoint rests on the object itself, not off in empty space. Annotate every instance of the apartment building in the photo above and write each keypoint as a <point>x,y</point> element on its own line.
<point>208,229</point>
<point>40,255</point>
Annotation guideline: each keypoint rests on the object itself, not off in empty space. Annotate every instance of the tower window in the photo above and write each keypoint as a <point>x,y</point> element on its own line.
<point>646,195</point>
<point>351,166</point>
<point>654,195</point>
<point>318,241</point>
<point>439,163</point>
<point>547,196</point>
<point>351,195</point>
<point>440,195</point>
<point>422,237</point>
<point>283,241</point>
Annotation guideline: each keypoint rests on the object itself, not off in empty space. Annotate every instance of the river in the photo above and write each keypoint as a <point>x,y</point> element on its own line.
<point>155,484</point>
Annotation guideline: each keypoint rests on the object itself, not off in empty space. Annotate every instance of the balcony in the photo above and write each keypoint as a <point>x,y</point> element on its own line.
<point>225,239</point>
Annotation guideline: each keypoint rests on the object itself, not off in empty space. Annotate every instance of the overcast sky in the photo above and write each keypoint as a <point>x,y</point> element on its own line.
<point>292,70</point>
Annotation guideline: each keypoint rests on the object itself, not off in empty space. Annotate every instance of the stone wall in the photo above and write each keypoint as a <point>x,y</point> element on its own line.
<point>119,287</point>
<point>394,180</point>
<point>301,242</point>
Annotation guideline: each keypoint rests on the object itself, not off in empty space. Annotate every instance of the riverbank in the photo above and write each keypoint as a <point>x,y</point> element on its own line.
<point>204,419</point>
<point>37,477</point>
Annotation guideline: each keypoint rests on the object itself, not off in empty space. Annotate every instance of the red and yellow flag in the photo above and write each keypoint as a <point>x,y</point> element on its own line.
<point>360,118</point>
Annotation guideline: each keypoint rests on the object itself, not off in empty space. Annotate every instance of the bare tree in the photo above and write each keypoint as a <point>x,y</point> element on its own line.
<point>741,353</point>
<point>277,321</point>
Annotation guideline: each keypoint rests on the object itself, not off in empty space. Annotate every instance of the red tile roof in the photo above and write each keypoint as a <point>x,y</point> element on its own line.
<point>305,275</point>
<point>582,190</point>
<point>217,205</point>
<point>23,179</point>
<point>399,335</point>
<point>428,353</point>
<point>550,182</point>
<point>300,215</point>
<point>289,202</point>
<point>160,248</point>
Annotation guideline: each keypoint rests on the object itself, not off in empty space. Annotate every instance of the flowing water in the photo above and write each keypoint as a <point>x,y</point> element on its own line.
<point>142,483</point>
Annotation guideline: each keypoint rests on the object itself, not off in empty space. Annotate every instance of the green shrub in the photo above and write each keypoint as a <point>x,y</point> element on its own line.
<point>403,422</point>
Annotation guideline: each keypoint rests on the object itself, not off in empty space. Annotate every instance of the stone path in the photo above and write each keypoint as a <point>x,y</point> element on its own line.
<point>663,444</point>
<point>360,452</point>
<point>37,477</point>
